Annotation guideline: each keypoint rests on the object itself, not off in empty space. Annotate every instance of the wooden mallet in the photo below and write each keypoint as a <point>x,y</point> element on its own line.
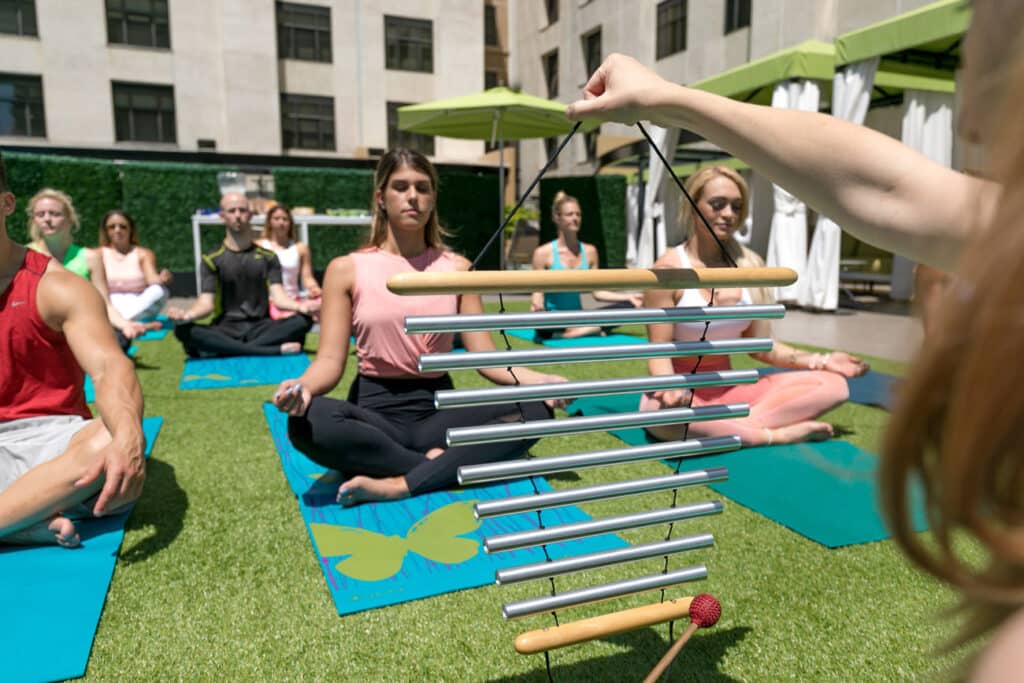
<point>705,611</point>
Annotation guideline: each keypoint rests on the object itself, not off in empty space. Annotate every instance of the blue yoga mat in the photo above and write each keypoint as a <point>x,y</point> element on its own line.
<point>90,390</point>
<point>596,340</point>
<point>54,593</point>
<point>241,371</point>
<point>380,554</point>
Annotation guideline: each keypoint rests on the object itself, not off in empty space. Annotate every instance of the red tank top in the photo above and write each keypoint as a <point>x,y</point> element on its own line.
<point>39,375</point>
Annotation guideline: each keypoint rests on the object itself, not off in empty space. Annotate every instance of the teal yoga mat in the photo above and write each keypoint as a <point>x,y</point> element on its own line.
<point>156,335</point>
<point>596,340</point>
<point>53,597</point>
<point>241,371</point>
<point>380,554</point>
<point>825,491</point>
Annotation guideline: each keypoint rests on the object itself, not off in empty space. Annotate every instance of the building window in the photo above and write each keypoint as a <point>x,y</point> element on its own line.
<point>144,113</point>
<point>671,27</point>
<point>424,144</point>
<point>550,63</point>
<point>409,44</point>
<point>138,22</point>
<point>21,106</point>
<point>490,79</point>
<point>490,26</point>
<point>18,17</point>
<point>307,122</point>
<point>591,51</point>
<point>590,143</point>
<point>551,8</point>
<point>303,32</point>
<point>737,15</point>
<point>550,147</point>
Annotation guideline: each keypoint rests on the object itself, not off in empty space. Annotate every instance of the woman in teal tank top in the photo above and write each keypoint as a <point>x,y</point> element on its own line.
<point>52,222</point>
<point>569,252</point>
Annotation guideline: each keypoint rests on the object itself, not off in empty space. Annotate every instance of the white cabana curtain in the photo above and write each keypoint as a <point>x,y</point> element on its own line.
<point>632,223</point>
<point>928,128</point>
<point>819,287</point>
<point>659,198</point>
<point>787,243</point>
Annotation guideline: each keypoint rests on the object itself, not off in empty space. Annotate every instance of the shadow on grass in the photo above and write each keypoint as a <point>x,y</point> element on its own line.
<point>162,507</point>
<point>699,660</point>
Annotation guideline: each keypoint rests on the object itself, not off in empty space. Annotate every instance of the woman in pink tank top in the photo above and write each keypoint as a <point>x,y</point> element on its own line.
<point>387,439</point>
<point>784,405</point>
<point>137,290</point>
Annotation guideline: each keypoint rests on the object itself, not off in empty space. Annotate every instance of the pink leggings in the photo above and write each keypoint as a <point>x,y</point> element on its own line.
<point>776,400</point>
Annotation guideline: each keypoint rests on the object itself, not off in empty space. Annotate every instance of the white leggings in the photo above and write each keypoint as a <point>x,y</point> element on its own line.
<point>142,305</point>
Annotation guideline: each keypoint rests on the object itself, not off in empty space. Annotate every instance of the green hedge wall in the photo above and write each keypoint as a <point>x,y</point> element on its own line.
<point>466,204</point>
<point>94,186</point>
<point>162,198</point>
<point>603,205</point>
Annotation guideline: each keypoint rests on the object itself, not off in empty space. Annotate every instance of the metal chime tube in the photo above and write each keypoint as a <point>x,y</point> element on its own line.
<point>461,398</point>
<point>423,324</point>
<point>568,565</point>
<point>461,436</point>
<point>595,527</point>
<point>513,469</point>
<point>607,591</point>
<point>589,494</point>
<point>473,360</point>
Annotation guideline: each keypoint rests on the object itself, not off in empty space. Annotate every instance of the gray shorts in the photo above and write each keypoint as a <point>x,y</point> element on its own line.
<point>32,441</point>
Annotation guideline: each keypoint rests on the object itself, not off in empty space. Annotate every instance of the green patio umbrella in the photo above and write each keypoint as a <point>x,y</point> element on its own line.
<point>498,114</point>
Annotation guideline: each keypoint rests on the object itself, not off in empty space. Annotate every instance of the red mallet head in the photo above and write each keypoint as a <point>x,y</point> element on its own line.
<point>705,610</point>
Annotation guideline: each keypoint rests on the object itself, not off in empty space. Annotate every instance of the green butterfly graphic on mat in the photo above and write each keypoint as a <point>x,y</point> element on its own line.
<point>210,376</point>
<point>374,556</point>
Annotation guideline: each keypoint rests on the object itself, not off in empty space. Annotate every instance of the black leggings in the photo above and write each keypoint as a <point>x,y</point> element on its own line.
<point>386,427</point>
<point>260,338</point>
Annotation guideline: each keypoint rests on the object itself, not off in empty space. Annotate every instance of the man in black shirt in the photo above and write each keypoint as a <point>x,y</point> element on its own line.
<point>236,280</point>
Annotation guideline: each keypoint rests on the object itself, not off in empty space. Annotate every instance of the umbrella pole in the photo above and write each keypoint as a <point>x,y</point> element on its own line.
<point>501,199</point>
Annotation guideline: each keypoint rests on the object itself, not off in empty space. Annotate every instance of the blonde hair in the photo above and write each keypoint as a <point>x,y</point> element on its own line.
<point>66,205</point>
<point>958,424</point>
<point>433,234</point>
<point>265,233</point>
<point>560,199</point>
<point>690,222</point>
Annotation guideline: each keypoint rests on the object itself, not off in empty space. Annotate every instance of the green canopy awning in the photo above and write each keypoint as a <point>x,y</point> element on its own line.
<point>498,112</point>
<point>753,81</point>
<point>918,50</point>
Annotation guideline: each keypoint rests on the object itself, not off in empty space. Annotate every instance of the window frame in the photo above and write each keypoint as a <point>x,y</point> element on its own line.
<point>20,19</point>
<point>734,14</point>
<point>421,142</point>
<point>136,88</point>
<point>586,44</point>
<point>394,26</point>
<point>154,42</point>
<point>550,78</point>
<point>288,115</point>
<point>665,34</point>
<point>287,17</point>
<point>26,104</point>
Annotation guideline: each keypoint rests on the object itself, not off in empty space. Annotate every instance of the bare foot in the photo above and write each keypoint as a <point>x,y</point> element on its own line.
<point>290,347</point>
<point>59,530</point>
<point>366,489</point>
<point>802,431</point>
<point>434,452</point>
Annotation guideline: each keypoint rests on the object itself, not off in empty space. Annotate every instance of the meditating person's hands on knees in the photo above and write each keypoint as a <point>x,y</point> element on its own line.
<point>672,398</point>
<point>292,398</point>
<point>844,364</point>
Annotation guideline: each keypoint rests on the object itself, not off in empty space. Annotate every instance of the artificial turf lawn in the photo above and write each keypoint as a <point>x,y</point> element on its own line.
<point>217,579</point>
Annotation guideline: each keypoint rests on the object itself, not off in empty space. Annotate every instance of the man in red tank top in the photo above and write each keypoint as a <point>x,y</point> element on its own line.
<point>54,458</point>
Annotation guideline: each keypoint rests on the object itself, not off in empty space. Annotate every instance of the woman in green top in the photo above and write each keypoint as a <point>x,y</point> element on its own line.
<point>52,222</point>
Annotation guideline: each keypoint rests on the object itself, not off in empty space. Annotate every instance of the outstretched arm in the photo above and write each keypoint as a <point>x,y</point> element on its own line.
<point>875,187</point>
<point>309,282</point>
<point>69,304</point>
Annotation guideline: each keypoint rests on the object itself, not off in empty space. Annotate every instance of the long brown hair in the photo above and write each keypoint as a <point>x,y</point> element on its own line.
<point>690,222</point>
<point>133,233</point>
<point>958,426</point>
<point>265,234</point>
<point>433,233</point>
